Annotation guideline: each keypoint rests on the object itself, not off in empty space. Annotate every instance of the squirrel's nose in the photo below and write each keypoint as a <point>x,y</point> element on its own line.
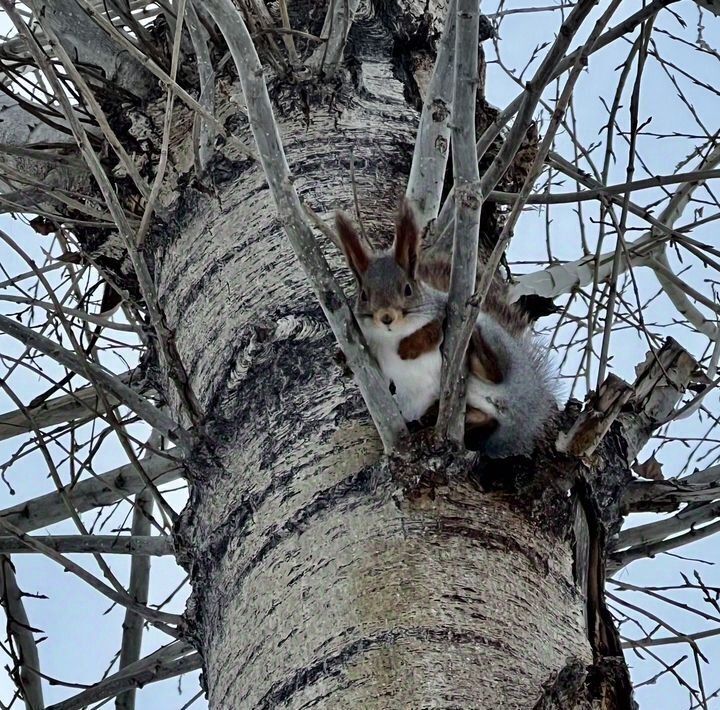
<point>386,318</point>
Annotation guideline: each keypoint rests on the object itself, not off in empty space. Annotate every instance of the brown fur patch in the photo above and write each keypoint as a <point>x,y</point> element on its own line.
<point>478,427</point>
<point>477,419</point>
<point>483,361</point>
<point>421,341</point>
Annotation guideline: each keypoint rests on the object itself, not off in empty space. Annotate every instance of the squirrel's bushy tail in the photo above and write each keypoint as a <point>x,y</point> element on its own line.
<point>521,397</point>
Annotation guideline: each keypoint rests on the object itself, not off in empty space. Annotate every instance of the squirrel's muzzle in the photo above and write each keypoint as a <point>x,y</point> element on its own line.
<point>386,316</point>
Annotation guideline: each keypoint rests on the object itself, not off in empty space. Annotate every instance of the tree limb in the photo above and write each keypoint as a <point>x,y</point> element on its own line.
<point>140,546</point>
<point>22,633</point>
<point>468,204</point>
<point>663,496</point>
<point>432,144</point>
<point>167,663</point>
<point>138,589</point>
<point>82,404</point>
<point>328,58</point>
<point>102,490</point>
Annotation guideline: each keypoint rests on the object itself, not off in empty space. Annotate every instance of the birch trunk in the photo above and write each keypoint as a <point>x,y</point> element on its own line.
<point>323,574</point>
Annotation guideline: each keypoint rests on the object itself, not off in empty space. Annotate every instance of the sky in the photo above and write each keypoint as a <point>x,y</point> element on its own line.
<point>83,633</point>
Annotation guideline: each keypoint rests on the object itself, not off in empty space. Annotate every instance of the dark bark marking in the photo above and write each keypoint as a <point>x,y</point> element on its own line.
<point>334,664</point>
<point>493,540</point>
<point>365,481</point>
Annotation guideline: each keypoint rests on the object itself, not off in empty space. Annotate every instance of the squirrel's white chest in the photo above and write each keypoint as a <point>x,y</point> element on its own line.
<point>416,383</point>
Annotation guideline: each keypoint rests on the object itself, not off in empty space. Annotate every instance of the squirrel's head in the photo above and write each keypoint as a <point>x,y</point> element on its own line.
<point>387,287</point>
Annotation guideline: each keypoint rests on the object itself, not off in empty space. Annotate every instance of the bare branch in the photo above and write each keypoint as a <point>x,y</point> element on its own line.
<point>588,430</point>
<point>83,404</point>
<point>203,135</point>
<point>138,590</point>
<point>157,71</point>
<point>169,662</point>
<point>699,487</point>
<point>161,167</point>
<point>102,490</point>
<point>552,66</point>
<point>140,546</point>
<point>468,203</point>
<point>432,144</point>
<point>338,21</point>
<point>88,95</point>
<point>659,541</point>
<point>710,5</point>
<point>22,633</point>
<point>601,192</point>
<point>651,533</point>
<point>563,278</point>
<point>459,327</point>
<point>660,383</point>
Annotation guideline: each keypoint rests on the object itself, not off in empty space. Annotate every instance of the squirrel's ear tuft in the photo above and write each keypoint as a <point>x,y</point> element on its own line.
<point>356,254</point>
<point>407,239</point>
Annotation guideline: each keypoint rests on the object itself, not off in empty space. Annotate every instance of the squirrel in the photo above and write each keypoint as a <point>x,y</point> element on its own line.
<point>400,307</point>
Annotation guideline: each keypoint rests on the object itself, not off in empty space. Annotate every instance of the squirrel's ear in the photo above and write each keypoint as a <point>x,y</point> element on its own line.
<point>356,254</point>
<point>407,239</point>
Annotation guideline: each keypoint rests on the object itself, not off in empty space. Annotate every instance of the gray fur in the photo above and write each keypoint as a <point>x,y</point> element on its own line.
<point>392,301</point>
<point>525,401</point>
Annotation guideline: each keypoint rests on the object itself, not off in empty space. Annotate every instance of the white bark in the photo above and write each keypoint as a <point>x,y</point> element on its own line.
<point>316,577</point>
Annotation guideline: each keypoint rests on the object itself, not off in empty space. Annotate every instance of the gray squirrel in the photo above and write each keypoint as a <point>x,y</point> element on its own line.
<point>400,307</point>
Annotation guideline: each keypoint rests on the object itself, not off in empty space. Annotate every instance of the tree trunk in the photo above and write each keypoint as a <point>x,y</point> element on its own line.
<point>325,575</point>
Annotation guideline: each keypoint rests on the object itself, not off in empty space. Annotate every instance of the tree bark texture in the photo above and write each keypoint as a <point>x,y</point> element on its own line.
<point>325,575</point>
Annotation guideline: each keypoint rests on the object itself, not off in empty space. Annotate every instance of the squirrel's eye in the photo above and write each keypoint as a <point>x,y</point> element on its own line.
<point>363,295</point>
<point>408,290</point>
